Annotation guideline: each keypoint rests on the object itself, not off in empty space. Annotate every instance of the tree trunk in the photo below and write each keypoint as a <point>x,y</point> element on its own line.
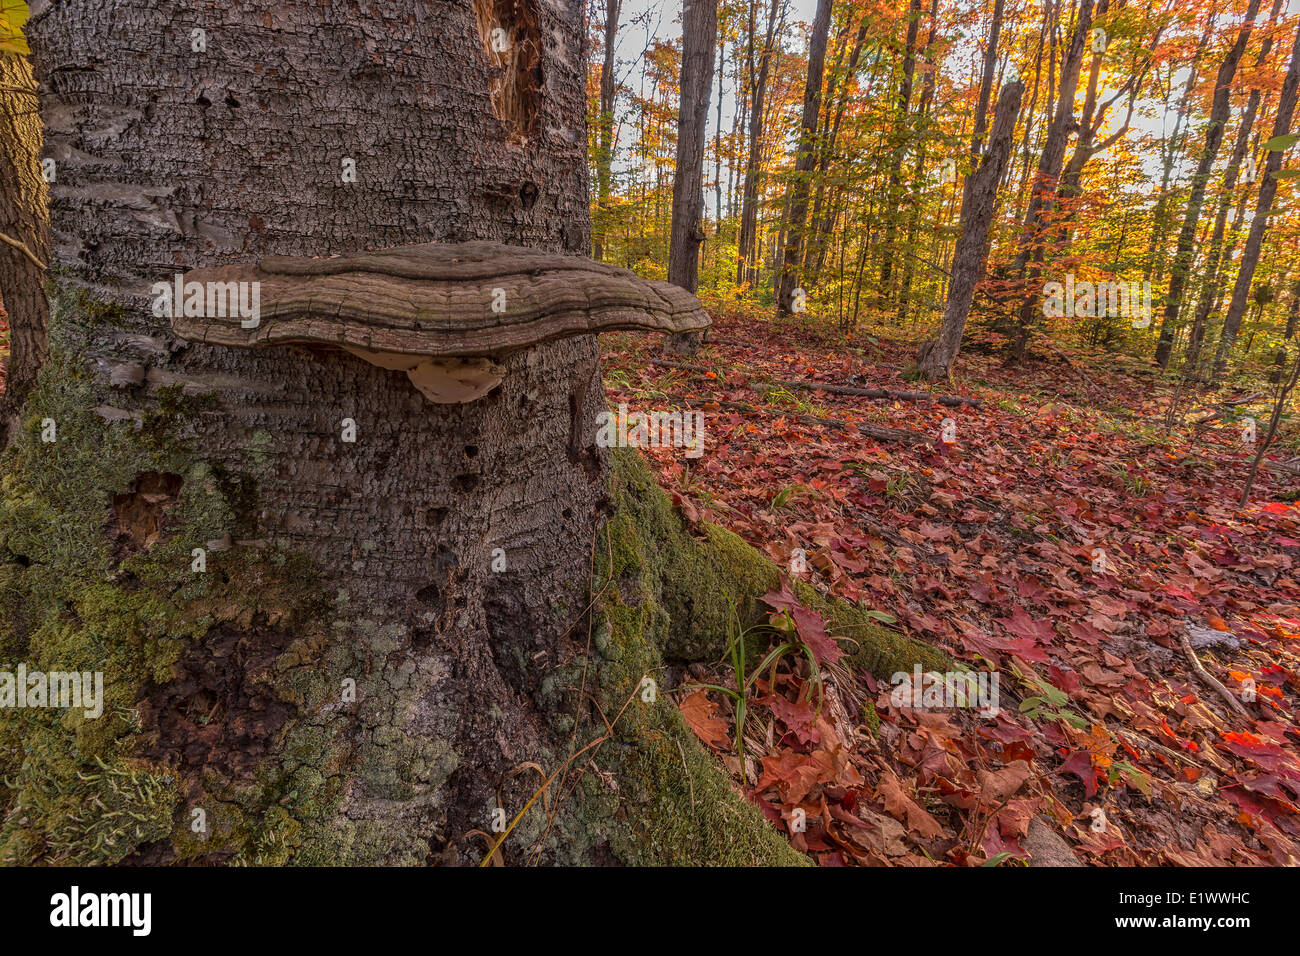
<point>822,223</point>
<point>986,80</point>
<point>1263,208</point>
<point>918,170</point>
<point>23,219</point>
<point>1159,227</point>
<point>1211,286</point>
<point>936,357</point>
<point>1029,261</point>
<point>390,636</point>
<point>605,136</point>
<point>900,131</point>
<point>793,247</point>
<point>699,31</point>
<point>746,269</point>
<point>1186,250</point>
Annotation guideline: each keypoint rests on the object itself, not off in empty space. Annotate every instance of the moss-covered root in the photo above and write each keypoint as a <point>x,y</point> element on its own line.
<point>669,594</point>
<point>685,584</point>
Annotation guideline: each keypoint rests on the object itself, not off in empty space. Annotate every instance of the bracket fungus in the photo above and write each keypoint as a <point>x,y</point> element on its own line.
<point>446,314</point>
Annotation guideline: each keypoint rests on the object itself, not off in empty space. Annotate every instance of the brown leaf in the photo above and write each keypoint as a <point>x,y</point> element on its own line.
<point>701,714</point>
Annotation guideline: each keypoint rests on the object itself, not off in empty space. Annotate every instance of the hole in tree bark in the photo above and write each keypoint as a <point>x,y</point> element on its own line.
<point>138,513</point>
<point>512,39</point>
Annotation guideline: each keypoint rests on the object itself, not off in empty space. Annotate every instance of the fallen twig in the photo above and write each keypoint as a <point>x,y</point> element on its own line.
<point>1210,679</point>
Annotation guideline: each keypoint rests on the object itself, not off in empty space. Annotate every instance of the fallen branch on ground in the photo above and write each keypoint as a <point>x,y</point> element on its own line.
<point>879,432</point>
<point>1205,675</point>
<point>842,389</point>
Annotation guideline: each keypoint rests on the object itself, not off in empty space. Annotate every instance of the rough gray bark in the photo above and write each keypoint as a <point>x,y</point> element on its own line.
<point>1186,249</point>
<point>236,152</point>
<point>1263,208</point>
<point>23,220</point>
<point>792,253</point>
<point>936,357</point>
<point>699,32</point>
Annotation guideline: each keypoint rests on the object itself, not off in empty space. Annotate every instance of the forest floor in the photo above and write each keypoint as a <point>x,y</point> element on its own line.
<point>987,547</point>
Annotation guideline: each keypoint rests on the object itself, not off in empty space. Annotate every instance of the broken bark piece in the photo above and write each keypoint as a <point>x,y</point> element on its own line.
<point>444,313</point>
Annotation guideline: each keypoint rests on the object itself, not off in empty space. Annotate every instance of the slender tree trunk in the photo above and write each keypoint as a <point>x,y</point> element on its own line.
<point>1263,208</point>
<point>936,357</point>
<point>900,134</point>
<point>1211,287</point>
<point>986,80</point>
<point>699,31</point>
<point>918,170</point>
<point>1171,152</point>
<point>823,215</point>
<point>1029,261</point>
<point>605,139</point>
<point>25,224</point>
<point>792,251</point>
<point>747,266</point>
<point>717,143</point>
<point>1186,249</point>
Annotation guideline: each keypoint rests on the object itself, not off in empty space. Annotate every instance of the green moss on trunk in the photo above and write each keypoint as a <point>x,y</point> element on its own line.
<point>78,595</point>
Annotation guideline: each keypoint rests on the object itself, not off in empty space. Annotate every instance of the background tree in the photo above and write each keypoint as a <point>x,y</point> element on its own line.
<point>1213,136</point>
<point>936,357</point>
<point>699,31</point>
<point>1277,145</point>
<point>792,255</point>
<point>605,126</point>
